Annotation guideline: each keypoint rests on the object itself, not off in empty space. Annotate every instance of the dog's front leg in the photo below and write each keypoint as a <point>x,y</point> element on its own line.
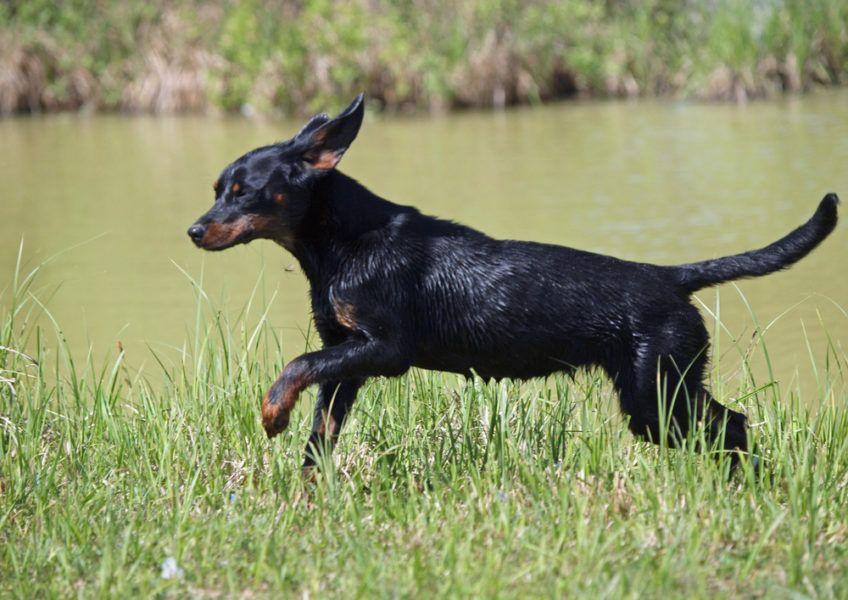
<point>354,359</point>
<point>331,409</point>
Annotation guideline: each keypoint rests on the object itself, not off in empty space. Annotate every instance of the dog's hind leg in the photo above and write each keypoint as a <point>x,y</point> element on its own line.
<point>663,393</point>
<point>727,425</point>
<point>331,409</point>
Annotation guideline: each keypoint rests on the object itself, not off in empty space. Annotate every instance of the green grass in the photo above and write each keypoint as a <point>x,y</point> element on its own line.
<point>437,487</point>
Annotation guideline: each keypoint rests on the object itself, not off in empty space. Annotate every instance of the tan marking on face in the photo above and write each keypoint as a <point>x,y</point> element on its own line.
<point>217,185</point>
<point>256,226</point>
<point>236,187</point>
<point>265,226</point>
<point>345,314</point>
<point>244,229</point>
<point>279,198</point>
<point>222,234</point>
<point>270,227</point>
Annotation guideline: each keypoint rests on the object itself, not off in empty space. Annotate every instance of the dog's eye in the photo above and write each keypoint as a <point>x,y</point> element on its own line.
<point>238,190</point>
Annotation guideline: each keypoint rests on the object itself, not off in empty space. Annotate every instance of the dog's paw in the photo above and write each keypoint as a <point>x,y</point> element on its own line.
<point>275,417</point>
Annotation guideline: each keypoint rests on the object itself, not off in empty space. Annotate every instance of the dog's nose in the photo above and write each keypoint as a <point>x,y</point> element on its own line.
<point>196,232</point>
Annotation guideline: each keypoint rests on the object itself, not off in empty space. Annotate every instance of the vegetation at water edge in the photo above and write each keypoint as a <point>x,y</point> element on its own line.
<point>280,56</point>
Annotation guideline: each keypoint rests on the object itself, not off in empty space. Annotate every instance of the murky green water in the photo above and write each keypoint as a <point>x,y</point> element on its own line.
<point>656,182</point>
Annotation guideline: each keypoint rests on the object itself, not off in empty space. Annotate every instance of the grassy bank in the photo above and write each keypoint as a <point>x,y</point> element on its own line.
<point>116,482</point>
<point>294,57</point>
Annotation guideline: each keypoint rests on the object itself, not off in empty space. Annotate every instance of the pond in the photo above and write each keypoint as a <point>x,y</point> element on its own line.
<point>650,181</point>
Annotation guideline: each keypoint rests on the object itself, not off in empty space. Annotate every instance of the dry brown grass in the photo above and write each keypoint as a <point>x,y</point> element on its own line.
<point>281,56</point>
<point>173,77</point>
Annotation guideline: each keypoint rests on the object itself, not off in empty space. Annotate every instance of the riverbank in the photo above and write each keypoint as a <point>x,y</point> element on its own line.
<point>264,57</point>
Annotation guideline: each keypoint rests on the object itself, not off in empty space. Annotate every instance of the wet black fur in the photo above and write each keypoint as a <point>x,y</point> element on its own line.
<point>435,294</point>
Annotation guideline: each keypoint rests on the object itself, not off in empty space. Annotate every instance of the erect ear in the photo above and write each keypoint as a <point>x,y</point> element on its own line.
<point>325,140</point>
<point>313,124</point>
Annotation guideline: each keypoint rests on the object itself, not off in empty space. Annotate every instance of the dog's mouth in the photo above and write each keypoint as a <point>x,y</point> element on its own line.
<point>220,236</point>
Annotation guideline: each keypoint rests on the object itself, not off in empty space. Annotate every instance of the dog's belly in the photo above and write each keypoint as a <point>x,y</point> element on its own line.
<point>502,365</point>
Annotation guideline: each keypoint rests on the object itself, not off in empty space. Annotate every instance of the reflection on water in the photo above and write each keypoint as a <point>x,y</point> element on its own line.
<point>657,182</point>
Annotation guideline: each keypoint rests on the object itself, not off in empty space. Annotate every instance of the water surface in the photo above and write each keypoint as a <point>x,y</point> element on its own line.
<point>659,182</point>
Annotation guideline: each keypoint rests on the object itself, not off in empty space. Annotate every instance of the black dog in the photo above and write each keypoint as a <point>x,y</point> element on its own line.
<point>392,288</point>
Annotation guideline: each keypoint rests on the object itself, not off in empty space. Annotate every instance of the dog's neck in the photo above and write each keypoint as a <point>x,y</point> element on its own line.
<point>342,212</point>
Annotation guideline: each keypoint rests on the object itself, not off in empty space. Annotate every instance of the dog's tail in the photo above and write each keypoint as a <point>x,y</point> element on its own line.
<point>781,254</point>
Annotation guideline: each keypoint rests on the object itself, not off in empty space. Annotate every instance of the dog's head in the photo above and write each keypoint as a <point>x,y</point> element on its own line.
<point>267,192</point>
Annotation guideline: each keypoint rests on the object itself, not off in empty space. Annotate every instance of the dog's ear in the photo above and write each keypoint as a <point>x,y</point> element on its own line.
<point>325,140</point>
<point>313,124</point>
